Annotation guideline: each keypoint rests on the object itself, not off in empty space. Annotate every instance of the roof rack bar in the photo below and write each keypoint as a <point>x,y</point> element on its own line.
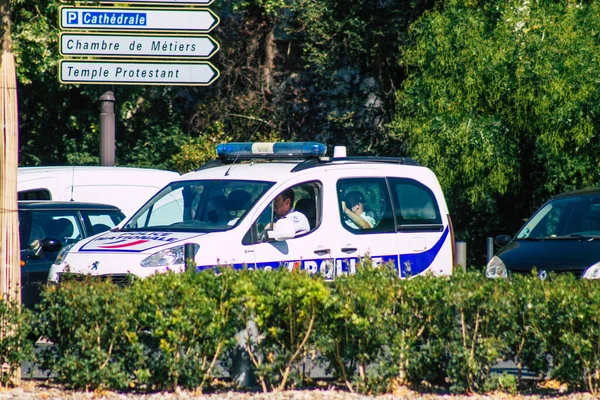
<point>319,162</point>
<point>210,164</point>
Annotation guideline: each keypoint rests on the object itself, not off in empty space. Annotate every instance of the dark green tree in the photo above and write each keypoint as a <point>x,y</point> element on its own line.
<point>290,69</point>
<point>501,101</point>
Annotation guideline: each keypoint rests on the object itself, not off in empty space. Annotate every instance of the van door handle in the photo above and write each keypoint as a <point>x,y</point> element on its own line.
<point>349,249</point>
<point>321,251</point>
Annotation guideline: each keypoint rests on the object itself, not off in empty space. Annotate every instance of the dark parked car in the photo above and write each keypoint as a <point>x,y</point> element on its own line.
<point>45,227</point>
<point>563,236</point>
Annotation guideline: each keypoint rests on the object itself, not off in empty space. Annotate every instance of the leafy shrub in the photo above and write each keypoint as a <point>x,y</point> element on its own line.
<point>185,322</point>
<point>355,323</point>
<point>90,326</point>
<point>480,308</point>
<point>420,323</point>
<point>573,332</point>
<point>15,343</point>
<point>284,307</point>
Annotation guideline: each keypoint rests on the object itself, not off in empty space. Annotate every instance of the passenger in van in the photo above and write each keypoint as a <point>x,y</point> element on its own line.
<point>282,205</point>
<point>353,208</point>
<point>217,212</point>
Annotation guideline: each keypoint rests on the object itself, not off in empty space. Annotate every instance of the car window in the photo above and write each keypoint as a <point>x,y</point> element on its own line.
<point>307,200</point>
<point>34,194</point>
<point>40,224</point>
<point>206,205</point>
<point>415,205</point>
<point>101,221</point>
<point>368,197</point>
<point>564,217</point>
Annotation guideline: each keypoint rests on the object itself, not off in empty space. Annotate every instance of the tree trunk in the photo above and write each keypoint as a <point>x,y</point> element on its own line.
<point>10,272</point>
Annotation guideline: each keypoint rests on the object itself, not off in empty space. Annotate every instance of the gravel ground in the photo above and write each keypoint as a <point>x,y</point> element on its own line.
<point>36,390</point>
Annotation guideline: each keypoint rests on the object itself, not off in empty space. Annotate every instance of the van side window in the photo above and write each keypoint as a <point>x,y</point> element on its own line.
<point>367,200</point>
<point>415,205</point>
<point>307,200</point>
<point>35,194</point>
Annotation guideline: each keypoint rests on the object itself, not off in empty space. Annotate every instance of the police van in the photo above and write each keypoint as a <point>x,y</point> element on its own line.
<point>229,213</point>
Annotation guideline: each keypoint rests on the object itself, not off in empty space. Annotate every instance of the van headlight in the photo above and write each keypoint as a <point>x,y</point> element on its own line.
<point>168,257</point>
<point>62,254</point>
<point>592,272</point>
<point>496,269</point>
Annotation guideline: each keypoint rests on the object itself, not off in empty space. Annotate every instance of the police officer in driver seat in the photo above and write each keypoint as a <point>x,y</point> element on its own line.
<point>282,205</point>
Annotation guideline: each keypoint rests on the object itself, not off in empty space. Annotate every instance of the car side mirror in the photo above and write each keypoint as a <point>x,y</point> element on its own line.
<point>37,248</point>
<point>51,244</point>
<point>502,240</point>
<point>282,230</point>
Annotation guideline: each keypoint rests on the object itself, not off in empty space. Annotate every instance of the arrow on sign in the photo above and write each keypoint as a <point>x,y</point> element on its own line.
<point>132,45</point>
<point>137,72</point>
<point>138,19</point>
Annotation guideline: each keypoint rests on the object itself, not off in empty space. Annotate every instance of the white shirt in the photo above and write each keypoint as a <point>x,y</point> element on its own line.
<point>370,220</point>
<point>300,221</point>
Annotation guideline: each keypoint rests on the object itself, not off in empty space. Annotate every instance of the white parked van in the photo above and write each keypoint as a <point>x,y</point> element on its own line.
<point>271,205</point>
<point>125,187</point>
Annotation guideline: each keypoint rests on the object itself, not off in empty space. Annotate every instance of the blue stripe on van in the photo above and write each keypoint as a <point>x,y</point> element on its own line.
<point>414,264</point>
<point>411,264</point>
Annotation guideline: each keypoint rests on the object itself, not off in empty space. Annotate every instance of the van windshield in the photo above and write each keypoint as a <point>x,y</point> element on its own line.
<point>198,206</point>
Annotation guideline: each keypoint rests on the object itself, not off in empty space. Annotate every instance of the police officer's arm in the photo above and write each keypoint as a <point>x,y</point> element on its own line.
<point>357,219</point>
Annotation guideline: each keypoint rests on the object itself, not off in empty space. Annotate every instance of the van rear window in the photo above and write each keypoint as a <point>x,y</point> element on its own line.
<point>35,194</point>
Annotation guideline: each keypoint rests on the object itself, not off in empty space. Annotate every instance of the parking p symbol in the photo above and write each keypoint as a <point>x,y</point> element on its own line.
<point>72,17</point>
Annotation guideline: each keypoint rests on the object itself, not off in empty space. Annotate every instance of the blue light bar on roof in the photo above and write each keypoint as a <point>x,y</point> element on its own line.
<point>270,149</point>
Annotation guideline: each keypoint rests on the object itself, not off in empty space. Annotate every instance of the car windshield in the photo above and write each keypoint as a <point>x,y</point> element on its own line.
<point>570,217</point>
<point>198,206</point>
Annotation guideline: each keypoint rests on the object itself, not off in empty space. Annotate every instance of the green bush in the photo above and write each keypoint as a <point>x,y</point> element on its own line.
<point>355,322</point>
<point>527,324</point>
<point>15,341</point>
<point>420,322</point>
<point>90,326</point>
<point>573,335</point>
<point>184,324</point>
<point>372,330</point>
<point>480,309</point>
<point>284,307</point>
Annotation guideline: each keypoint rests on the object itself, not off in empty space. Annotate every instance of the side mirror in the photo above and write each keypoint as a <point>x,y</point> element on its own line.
<point>51,244</point>
<point>37,248</point>
<point>282,230</point>
<point>502,240</point>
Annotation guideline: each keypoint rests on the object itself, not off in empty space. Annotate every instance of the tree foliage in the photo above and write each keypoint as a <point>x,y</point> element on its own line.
<point>290,70</point>
<point>501,102</point>
<point>498,97</point>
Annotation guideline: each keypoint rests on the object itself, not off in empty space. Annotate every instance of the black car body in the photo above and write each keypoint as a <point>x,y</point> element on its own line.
<point>563,236</point>
<point>47,226</point>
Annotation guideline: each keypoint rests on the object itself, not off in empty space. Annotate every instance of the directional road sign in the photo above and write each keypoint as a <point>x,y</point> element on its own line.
<point>137,73</point>
<point>77,44</point>
<point>138,19</point>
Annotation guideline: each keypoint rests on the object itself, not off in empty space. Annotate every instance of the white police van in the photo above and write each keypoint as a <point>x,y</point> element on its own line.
<point>224,214</point>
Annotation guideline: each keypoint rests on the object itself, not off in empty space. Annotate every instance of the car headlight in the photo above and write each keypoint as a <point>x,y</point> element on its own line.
<point>168,257</point>
<point>592,272</point>
<point>496,269</point>
<point>63,253</point>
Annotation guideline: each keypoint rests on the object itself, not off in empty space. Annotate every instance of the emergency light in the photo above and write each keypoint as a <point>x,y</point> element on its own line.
<point>246,150</point>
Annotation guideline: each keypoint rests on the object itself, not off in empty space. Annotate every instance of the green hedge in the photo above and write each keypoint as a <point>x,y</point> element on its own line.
<point>16,343</point>
<point>371,331</point>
